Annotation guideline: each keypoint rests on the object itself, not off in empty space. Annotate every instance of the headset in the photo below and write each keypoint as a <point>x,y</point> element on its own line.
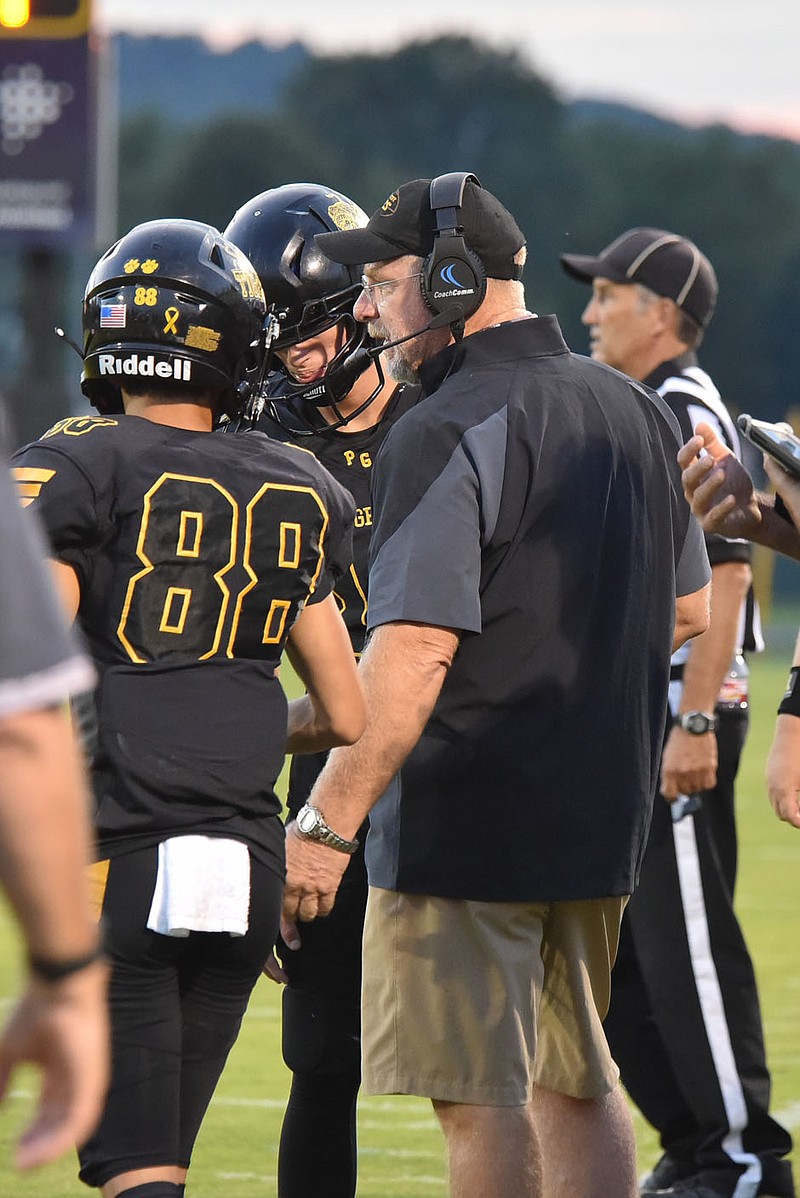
<point>453,277</point>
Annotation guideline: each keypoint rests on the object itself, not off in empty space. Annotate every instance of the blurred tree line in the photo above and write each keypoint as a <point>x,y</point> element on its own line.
<point>205,132</point>
<point>574,176</point>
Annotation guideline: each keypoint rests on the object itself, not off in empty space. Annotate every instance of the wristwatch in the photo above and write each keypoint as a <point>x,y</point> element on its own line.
<point>312,826</point>
<point>697,722</point>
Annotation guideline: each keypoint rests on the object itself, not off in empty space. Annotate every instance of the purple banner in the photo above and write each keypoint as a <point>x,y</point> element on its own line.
<point>47,141</point>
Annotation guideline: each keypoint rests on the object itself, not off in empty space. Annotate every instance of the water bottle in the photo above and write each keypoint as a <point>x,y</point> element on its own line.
<point>734,694</point>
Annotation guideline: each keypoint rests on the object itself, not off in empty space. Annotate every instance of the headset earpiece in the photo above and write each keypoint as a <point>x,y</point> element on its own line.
<point>453,277</point>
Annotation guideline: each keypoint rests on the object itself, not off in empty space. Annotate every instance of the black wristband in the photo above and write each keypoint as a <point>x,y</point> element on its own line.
<point>790,703</point>
<point>48,970</point>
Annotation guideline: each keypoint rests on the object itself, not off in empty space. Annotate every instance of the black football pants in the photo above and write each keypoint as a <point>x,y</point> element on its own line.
<point>322,1031</point>
<point>176,1006</point>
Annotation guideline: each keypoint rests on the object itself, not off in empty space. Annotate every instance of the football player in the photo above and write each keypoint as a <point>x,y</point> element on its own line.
<point>191,561</point>
<point>327,393</point>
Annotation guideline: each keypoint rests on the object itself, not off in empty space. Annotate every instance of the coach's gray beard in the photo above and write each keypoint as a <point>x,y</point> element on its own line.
<point>399,367</point>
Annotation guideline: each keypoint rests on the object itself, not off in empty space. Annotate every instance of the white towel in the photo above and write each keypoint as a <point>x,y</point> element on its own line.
<point>202,885</point>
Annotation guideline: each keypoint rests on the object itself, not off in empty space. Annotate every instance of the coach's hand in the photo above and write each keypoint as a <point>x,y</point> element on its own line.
<point>273,970</point>
<point>313,874</point>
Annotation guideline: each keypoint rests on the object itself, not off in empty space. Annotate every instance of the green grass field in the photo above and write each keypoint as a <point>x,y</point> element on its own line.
<point>399,1142</point>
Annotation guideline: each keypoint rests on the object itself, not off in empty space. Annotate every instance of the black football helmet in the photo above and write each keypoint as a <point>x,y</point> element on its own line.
<point>175,301</point>
<point>305,290</point>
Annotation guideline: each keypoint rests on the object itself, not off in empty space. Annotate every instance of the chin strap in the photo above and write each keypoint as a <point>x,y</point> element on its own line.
<point>325,429</point>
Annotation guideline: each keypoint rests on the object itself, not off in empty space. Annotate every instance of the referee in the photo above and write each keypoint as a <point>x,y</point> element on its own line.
<point>684,1023</point>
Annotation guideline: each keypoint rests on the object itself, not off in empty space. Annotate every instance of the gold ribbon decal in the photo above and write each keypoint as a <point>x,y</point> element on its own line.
<point>172,315</point>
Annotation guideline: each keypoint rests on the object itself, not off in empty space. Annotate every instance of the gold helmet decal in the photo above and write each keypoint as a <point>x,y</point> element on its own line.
<point>147,267</point>
<point>171,320</point>
<point>345,215</point>
<point>199,337</point>
<point>249,283</point>
<point>244,274</point>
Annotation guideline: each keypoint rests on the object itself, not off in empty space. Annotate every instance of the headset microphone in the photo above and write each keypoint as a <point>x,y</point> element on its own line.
<point>324,395</point>
<point>358,361</point>
<point>454,315</point>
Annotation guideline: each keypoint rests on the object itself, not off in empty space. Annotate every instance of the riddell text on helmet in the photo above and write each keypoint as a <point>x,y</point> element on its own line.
<point>147,366</point>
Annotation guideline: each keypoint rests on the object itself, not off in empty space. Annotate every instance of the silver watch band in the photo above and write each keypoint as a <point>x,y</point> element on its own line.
<point>311,825</point>
<point>334,841</point>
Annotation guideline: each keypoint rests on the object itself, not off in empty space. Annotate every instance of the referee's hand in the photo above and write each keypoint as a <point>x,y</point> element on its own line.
<point>688,763</point>
<point>717,487</point>
<point>783,770</point>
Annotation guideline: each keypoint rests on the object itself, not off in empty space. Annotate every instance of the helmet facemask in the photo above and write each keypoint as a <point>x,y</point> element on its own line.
<point>308,294</point>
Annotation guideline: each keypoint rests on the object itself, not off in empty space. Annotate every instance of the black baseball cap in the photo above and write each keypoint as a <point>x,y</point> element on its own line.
<point>406,224</point>
<point>664,262</point>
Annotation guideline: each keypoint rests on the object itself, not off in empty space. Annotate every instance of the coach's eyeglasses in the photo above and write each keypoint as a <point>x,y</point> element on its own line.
<point>370,289</point>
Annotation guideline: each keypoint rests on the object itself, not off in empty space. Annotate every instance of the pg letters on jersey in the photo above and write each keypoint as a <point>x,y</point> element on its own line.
<point>349,456</point>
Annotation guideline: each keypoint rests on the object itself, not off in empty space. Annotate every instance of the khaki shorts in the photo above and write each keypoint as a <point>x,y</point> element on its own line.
<point>478,1002</point>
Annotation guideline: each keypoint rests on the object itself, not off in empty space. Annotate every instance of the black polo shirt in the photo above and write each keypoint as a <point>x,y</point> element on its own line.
<point>532,500</point>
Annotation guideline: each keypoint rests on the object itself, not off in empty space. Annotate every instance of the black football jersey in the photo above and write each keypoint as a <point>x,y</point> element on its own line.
<point>349,457</point>
<point>195,555</point>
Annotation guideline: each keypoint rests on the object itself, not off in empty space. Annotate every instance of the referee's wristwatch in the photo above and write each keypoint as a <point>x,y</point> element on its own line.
<point>311,825</point>
<point>697,722</point>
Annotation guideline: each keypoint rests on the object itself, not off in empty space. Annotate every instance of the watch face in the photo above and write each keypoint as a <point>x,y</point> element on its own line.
<point>697,722</point>
<point>307,819</point>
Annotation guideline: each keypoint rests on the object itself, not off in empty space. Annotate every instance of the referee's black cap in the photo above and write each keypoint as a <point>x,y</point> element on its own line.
<point>664,262</point>
<point>406,224</point>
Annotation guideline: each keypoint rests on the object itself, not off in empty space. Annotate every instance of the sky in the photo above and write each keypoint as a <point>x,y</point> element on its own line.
<point>698,61</point>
